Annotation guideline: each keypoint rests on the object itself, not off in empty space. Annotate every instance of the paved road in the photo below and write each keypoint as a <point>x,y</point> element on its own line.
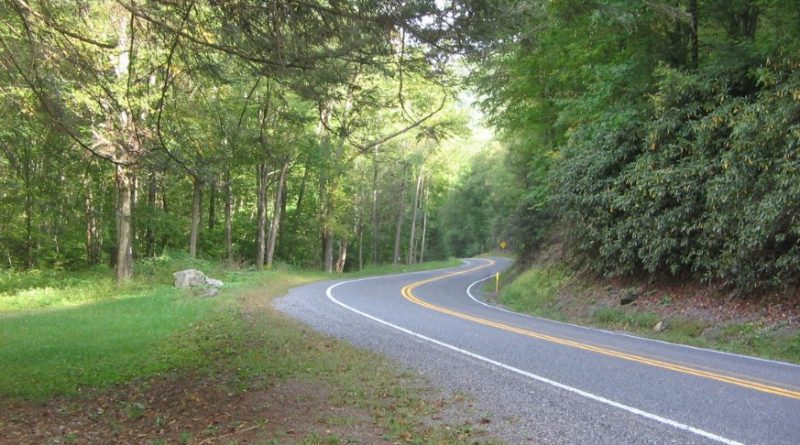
<point>548,382</point>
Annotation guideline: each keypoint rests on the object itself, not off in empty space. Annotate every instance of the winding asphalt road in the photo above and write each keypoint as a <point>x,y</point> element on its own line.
<point>547,382</point>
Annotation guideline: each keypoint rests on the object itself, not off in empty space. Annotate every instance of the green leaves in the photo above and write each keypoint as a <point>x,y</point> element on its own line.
<point>705,181</point>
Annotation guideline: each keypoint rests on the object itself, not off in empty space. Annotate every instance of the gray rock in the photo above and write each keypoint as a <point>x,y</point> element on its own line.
<point>210,292</point>
<point>189,278</point>
<point>660,326</point>
<point>214,283</point>
<point>629,296</point>
<point>194,278</point>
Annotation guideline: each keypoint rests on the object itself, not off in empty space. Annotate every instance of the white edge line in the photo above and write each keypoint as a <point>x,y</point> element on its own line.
<point>622,334</point>
<point>530,375</point>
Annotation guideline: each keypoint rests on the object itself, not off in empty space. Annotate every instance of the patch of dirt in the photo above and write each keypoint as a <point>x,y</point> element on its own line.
<point>188,411</point>
<point>711,305</point>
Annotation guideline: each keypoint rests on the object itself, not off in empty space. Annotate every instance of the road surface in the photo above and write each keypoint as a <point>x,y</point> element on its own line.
<point>547,382</point>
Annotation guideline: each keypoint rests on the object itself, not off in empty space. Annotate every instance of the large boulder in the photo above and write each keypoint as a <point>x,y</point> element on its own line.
<point>214,283</point>
<point>189,278</point>
<point>194,278</point>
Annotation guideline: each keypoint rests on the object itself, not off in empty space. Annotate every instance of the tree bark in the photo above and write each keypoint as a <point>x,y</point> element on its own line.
<point>212,204</point>
<point>299,204</point>
<point>374,229</point>
<point>424,227</point>
<point>693,34</point>
<point>228,217</point>
<point>412,237</point>
<point>124,255</point>
<point>197,202</point>
<point>92,246</point>
<point>28,208</point>
<point>400,216</point>
<point>360,246</point>
<point>327,249</point>
<point>342,259</point>
<point>150,234</point>
<point>261,183</point>
<point>276,216</point>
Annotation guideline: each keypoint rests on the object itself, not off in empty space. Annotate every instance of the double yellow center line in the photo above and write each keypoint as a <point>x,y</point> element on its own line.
<point>408,294</point>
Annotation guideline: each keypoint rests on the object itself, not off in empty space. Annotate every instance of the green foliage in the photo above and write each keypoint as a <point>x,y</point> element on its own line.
<point>619,318</point>
<point>665,151</point>
<point>701,181</point>
<point>490,204</point>
<point>536,292</point>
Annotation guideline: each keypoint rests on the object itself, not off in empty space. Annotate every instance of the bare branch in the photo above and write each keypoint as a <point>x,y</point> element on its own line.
<point>382,140</point>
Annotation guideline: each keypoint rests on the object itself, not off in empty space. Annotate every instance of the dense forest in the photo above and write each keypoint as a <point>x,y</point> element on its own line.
<point>310,133</point>
<point>650,137</point>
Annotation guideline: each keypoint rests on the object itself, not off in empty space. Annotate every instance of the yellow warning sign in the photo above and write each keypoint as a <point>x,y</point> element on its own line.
<point>503,245</point>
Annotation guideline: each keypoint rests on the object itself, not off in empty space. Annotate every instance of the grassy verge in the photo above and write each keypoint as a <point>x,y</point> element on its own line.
<point>61,331</point>
<point>96,345</point>
<point>536,292</point>
<point>365,381</point>
<point>150,332</point>
<point>550,291</point>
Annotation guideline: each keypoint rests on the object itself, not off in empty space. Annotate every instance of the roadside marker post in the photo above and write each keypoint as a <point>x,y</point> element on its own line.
<point>497,283</point>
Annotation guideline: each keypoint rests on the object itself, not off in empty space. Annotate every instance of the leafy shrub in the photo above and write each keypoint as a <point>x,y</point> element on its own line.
<point>704,180</point>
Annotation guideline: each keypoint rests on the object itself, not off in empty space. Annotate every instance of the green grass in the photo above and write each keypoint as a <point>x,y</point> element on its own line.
<point>148,328</point>
<point>536,292</point>
<point>620,319</point>
<point>97,345</point>
<point>271,347</point>
<point>39,289</point>
<point>61,331</point>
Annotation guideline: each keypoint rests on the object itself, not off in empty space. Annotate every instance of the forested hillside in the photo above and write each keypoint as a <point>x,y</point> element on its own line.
<point>310,133</point>
<point>652,137</point>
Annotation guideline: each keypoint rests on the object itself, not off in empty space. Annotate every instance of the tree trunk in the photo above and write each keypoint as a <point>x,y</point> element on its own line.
<point>342,259</point>
<point>123,267</point>
<point>276,217</point>
<point>412,237</point>
<point>400,216</point>
<point>693,34</point>
<point>150,234</point>
<point>261,183</point>
<point>327,249</point>
<point>28,209</point>
<point>280,247</point>
<point>134,199</point>
<point>327,224</point>
<point>228,217</point>
<point>92,246</point>
<point>374,229</point>
<point>360,246</point>
<point>299,204</point>
<point>197,202</point>
<point>212,204</point>
<point>359,225</point>
<point>424,227</point>
<point>165,237</point>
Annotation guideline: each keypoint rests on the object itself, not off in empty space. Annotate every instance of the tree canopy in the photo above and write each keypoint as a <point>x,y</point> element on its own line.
<point>653,137</point>
<point>237,130</point>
